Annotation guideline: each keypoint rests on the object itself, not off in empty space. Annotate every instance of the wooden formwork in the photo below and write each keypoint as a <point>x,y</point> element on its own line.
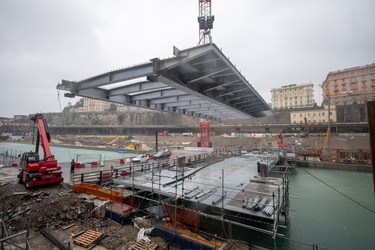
<point>87,238</point>
<point>143,245</point>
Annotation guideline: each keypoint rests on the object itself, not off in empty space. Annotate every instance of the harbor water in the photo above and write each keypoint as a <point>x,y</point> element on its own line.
<point>330,209</point>
<point>64,154</point>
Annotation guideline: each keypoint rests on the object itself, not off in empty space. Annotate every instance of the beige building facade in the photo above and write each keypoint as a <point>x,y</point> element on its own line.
<point>293,96</point>
<point>350,86</point>
<point>313,116</point>
<point>94,105</point>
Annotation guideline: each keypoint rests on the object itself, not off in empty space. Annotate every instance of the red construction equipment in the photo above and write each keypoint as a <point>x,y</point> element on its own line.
<point>205,134</point>
<point>34,172</point>
<point>307,130</point>
<point>281,142</point>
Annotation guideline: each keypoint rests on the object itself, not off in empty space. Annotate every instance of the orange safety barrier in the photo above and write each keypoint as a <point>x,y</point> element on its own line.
<point>106,193</point>
<point>185,217</point>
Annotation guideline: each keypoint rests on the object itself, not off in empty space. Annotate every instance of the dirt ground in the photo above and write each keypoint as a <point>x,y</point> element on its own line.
<point>56,207</point>
<point>342,142</point>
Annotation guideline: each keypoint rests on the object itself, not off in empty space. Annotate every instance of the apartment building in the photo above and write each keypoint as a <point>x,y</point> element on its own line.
<point>350,86</point>
<point>95,105</point>
<point>313,116</point>
<point>293,96</point>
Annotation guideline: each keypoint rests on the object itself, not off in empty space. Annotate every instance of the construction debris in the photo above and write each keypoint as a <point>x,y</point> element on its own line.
<point>67,227</point>
<point>67,216</point>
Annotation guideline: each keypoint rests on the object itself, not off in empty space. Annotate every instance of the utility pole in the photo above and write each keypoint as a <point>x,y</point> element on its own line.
<point>371,123</point>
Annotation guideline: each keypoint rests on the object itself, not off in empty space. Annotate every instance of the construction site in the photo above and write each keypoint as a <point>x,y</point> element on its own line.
<point>169,189</point>
<point>221,197</point>
<point>180,201</point>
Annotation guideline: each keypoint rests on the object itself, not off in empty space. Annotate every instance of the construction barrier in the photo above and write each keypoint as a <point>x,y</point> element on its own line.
<point>185,217</point>
<point>117,197</point>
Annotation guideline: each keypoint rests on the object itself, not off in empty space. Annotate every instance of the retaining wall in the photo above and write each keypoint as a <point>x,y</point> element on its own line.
<point>335,166</point>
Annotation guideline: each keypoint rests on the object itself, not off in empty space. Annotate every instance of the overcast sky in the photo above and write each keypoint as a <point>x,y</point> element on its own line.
<point>272,43</point>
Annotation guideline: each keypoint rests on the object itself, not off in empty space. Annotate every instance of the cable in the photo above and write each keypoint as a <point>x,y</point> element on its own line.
<point>62,121</point>
<point>325,183</point>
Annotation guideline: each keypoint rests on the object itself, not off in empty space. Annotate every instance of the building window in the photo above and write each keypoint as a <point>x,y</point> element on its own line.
<point>363,78</point>
<point>343,80</point>
<point>353,79</point>
<point>323,114</point>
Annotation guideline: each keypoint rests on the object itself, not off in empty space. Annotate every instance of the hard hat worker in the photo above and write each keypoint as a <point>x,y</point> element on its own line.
<point>72,165</point>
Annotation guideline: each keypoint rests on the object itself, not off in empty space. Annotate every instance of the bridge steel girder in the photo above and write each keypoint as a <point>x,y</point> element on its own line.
<point>198,81</point>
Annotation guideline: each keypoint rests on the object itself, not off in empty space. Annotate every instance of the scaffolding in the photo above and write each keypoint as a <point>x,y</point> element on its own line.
<point>173,192</point>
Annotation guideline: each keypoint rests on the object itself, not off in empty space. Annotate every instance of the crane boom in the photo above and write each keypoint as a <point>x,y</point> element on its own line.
<point>44,136</point>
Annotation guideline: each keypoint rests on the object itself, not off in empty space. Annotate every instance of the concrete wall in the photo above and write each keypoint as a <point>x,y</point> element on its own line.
<point>131,117</point>
<point>335,166</point>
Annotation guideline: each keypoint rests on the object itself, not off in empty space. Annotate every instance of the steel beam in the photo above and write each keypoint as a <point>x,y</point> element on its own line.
<point>197,81</point>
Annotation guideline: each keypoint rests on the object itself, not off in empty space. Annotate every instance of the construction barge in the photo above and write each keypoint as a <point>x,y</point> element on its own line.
<point>202,193</point>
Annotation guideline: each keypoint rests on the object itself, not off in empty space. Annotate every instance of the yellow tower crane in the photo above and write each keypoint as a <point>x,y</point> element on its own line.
<point>326,150</point>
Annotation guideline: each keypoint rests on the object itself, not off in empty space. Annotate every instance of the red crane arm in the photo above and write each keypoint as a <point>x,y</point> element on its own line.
<point>281,136</point>
<point>44,135</point>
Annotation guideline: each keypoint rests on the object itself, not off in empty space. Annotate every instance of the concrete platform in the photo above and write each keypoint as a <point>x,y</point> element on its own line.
<point>233,177</point>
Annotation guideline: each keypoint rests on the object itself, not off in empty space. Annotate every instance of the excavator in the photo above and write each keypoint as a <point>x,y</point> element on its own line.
<point>33,171</point>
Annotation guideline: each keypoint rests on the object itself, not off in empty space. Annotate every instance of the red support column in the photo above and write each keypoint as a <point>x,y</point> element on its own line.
<point>205,134</point>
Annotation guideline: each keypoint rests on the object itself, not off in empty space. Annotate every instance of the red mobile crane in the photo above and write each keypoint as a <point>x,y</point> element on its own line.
<point>34,172</point>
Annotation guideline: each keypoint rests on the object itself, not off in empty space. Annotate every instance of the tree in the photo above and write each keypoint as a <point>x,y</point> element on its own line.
<point>112,107</point>
<point>79,103</point>
<point>67,108</point>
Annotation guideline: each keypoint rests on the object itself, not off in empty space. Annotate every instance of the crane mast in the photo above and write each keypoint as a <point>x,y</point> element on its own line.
<point>205,20</point>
